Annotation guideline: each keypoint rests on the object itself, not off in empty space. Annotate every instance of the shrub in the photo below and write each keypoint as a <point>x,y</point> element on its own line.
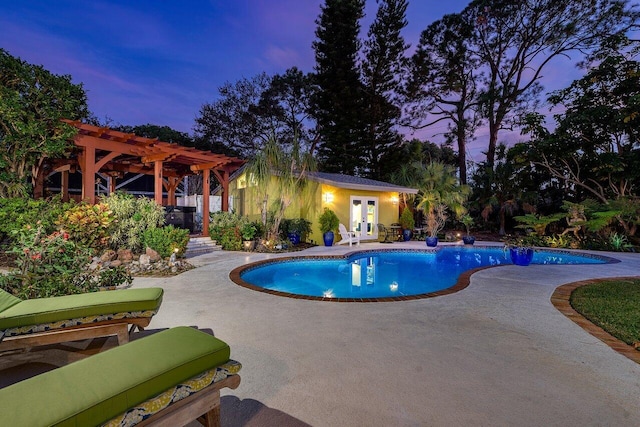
<point>167,240</point>
<point>227,229</point>
<point>133,216</point>
<point>248,231</point>
<point>50,265</point>
<point>16,213</point>
<point>47,265</point>
<point>112,277</point>
<point>561,241</point>
<point>406,219</point>
<point>230,239</point>
<point>296,225</point>
<point>88,225</point>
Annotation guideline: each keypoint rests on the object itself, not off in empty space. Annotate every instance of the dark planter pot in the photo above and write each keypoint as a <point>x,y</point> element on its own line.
<point>406,234</point>
<point>521,256</point>
<point>294,238</point>
<point>328,238</point>
<point>468,240</point>
<point>432,242</point>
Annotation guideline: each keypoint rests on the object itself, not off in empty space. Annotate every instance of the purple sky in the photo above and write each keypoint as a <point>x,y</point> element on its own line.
<point>151,61</point>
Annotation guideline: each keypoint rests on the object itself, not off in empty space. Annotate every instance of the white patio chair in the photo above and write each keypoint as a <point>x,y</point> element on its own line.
<point>348,236</point>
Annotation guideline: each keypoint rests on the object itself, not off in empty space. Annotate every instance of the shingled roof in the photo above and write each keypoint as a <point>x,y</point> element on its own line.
<point>357,183</point>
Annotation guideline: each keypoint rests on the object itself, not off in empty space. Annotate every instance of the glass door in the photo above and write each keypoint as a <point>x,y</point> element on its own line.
<point>364,216</point>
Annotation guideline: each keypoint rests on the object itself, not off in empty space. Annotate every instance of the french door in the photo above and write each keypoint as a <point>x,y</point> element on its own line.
<point>364,216</point>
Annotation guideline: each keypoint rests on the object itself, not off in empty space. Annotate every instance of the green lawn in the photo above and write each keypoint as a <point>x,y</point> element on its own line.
<point>613,305</point>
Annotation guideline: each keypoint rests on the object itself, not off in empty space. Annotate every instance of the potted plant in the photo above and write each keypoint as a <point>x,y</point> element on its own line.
<point>467,221</point>
<point>435,220</point>
<point>407,222</point>
<point>328,225</point>
<point>248,231</point>
<point>288,231</point>
<point>296,229</point>
<point>520,249</point>
<point>439,191</point>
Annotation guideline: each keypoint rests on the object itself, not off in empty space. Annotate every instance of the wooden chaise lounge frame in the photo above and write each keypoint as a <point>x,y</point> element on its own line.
<point>203,406</point>
<point>25,323</point>
<point>117,327</point>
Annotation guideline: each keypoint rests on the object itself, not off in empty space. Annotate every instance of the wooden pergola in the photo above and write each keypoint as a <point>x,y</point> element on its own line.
<point>100,149</point>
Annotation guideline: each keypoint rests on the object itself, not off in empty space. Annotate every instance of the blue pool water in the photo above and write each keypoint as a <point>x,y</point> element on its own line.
<point>382,274</point>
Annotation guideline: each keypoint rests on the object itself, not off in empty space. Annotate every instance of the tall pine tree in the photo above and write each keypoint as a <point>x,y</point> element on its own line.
<point>339,101</point>
<point>381,71</point>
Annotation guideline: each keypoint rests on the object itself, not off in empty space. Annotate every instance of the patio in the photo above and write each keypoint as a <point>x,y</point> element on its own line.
<point>495,353</point>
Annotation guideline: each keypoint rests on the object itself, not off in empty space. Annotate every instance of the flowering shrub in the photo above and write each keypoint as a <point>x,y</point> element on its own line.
<point>47,265</point>
<point>53,265</point>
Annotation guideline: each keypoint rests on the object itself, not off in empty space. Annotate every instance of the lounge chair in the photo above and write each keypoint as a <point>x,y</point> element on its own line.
<point>348,236</point>
<point>42,321</point>
<point>169,378</point>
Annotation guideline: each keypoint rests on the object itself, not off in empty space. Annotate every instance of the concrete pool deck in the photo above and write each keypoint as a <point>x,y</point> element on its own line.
<point>497,353</point>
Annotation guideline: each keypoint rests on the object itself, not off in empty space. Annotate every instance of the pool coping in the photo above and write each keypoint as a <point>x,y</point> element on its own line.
<point>463,280</point>
<point>561,301</point>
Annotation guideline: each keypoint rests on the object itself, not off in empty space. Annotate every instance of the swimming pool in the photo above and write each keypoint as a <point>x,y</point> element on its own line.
<point>384,275</point>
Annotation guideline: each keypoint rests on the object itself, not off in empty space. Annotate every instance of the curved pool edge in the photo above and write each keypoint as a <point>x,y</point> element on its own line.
<point>560,299</point>
<point>462,282</point>
<point>577,252</point>
<point>235,275</point>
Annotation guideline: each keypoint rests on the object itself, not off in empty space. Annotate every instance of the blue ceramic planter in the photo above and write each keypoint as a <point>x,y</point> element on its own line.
<point>406,234</point>
<point>294,238</point>
<point>328,238</point>
<point>432,242</point>
<point>468,240</point>
<point>521,256</point>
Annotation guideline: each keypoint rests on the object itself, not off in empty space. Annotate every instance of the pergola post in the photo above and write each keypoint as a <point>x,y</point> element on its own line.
<point>88,166</point>
<point>206,190</point>
<point>222,176</point>
<point>64,185</point>
<point>38,188</point>
<point>157,181</point>
<point>225,191</point>
<point>171,184</point>
<point>112,183</point>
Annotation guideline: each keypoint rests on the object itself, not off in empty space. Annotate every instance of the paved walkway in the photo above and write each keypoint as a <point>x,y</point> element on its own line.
<point>495,354</point>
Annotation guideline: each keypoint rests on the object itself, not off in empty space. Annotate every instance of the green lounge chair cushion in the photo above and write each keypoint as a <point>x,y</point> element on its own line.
<point>48,310</point>
<point>92,391</point>
<point>7,300</point>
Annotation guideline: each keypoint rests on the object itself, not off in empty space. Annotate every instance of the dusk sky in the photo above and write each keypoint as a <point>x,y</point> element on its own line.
<point>158,62</point>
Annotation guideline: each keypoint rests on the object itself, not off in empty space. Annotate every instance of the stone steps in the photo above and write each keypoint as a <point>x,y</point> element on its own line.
<point>200,246</point>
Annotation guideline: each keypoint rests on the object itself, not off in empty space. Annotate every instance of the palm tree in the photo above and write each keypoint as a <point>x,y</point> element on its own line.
<point>280,174</point>
<point>408,175</point>
<point>439,192</point>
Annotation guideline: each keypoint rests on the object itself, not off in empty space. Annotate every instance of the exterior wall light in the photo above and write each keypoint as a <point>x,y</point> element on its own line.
<point>328,197</point>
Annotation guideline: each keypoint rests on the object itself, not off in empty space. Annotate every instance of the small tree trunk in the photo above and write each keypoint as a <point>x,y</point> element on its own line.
<point>503,220</point>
